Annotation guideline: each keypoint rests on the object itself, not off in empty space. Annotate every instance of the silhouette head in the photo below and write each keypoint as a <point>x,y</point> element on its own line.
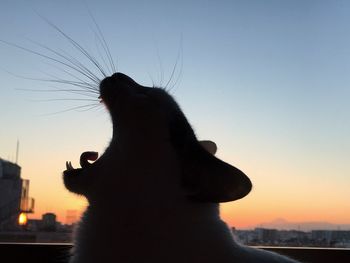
<point>149,124</point>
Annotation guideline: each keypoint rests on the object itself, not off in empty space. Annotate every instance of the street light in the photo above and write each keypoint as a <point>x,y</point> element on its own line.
<point>22,219</point>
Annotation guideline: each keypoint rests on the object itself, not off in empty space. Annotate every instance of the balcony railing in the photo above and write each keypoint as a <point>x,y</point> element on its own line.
<point>27,205</point>
<point>58,253</point>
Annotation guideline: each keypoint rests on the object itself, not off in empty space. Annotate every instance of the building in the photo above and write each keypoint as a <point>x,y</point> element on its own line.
<point>268,236</point>
<point>14,196</point>
<point>293,238</point>
<point>49,222</point>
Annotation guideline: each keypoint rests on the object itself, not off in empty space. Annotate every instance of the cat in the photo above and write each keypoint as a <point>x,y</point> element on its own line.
<point>154,195</point>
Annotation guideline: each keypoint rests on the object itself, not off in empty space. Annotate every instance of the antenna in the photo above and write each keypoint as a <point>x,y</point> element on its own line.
<point>17,151</point>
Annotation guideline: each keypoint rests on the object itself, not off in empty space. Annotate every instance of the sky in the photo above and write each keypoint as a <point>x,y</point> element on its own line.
<point>266,80</point>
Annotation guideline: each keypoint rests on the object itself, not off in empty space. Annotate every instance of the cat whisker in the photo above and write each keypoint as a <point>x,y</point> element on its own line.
<point>47,57</point>
<point>150,76</point>
<point>179,54</point>
<point>160,64</point>
<point>79,92</point>
<point>88,109</point>
<point>83,85</point>
<point>67,82</point>
<point>103,42</point>
<point>76,45</point>
<point>180,73</point>
<point>97,43</point>
<point>77,108</point>
<point>61,99</point>
<point>82,69</point>
<point>94,85</point>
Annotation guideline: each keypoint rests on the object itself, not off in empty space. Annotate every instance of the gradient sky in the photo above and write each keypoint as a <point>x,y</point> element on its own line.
<point>268,81</point>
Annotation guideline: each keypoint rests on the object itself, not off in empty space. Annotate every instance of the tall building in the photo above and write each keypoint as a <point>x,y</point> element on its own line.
<point>14,195</point>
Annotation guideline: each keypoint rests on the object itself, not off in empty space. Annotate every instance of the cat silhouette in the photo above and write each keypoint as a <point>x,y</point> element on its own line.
<point>154,194</point>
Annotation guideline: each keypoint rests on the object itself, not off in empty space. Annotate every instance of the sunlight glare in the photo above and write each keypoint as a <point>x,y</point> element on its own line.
<point>22,219</point>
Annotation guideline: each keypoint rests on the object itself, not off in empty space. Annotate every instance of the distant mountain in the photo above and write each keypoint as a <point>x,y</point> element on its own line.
<point>283,224</point>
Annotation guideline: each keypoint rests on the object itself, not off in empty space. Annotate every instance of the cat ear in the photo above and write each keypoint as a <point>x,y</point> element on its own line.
<point>209,146</point>
<point>208,179</point>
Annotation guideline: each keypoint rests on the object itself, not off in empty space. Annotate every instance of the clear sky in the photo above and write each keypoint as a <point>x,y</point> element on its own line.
<point>268,81</point>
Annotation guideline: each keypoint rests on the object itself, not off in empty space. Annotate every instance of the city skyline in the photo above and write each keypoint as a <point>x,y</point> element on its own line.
<point>268,82</point>
<point>48,230</point>
<point>277,224</point>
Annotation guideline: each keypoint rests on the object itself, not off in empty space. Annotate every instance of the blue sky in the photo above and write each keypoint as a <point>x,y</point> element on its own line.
<point>268,81</point>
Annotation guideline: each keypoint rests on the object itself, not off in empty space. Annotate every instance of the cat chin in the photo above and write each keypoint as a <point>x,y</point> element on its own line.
<point>74,181</point>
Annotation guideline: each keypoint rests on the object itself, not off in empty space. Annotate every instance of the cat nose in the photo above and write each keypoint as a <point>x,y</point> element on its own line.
<point>123,78</point>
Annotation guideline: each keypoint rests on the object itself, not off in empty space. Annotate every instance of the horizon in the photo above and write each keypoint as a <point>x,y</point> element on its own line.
<point>279,224</point>
<point>268,82</point>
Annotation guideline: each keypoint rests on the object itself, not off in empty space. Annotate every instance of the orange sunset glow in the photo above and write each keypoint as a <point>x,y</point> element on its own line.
<point>264,204</point>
